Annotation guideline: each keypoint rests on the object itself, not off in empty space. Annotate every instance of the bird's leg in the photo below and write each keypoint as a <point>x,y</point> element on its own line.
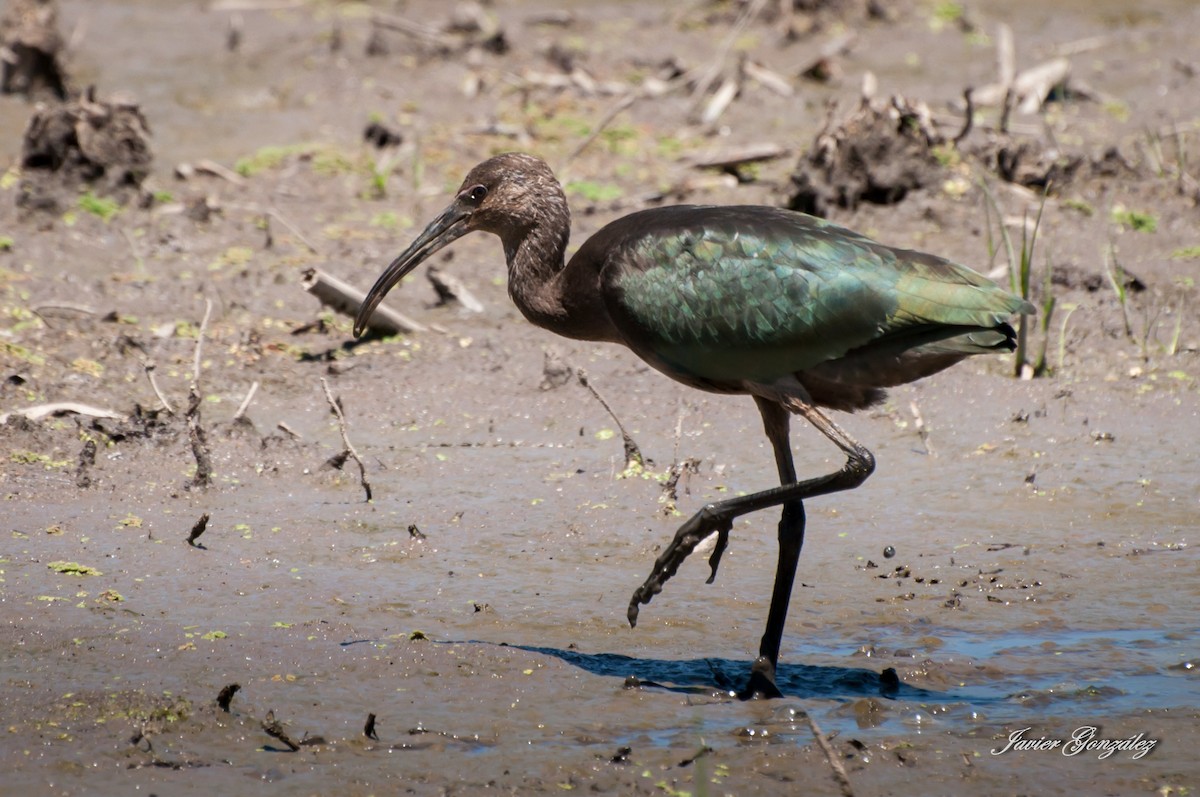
<point>718,517</point>
<point>791,539</point>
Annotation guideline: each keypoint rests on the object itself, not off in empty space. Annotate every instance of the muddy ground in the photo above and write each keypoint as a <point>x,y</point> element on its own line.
<point>1043,575</point>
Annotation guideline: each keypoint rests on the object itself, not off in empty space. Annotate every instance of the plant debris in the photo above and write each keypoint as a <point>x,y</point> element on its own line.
<point>197,529</point>
<point>274,728</point>
<point>104,144</point>
<point>225,697</point>
<point>74,568</point>
<point>880,153</point>
<point>31,48</point>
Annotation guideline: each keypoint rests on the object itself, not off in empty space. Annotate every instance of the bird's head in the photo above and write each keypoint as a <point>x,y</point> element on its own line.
<point>507,195</point>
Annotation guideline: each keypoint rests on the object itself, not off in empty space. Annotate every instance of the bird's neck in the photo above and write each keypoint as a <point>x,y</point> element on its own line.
<point>548,291</point>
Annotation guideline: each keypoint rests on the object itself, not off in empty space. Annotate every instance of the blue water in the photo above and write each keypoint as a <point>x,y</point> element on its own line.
<point>1006,679</point>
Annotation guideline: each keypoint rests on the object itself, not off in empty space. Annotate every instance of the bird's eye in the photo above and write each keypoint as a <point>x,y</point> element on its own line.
<point>477,194</point>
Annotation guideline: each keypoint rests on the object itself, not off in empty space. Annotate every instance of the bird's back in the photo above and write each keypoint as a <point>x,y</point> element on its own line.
<point>720,296</point>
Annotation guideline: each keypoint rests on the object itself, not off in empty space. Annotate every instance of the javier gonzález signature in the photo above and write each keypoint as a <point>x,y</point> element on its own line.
<point>1085,739</point>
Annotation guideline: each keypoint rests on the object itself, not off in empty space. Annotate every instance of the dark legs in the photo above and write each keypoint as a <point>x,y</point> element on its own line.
<point>791,539</point>
<point>719,518</point>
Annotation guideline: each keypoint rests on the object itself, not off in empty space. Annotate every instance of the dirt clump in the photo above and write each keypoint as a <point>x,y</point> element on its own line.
<point>880,153</point>
<point>31,50</point>
<point>103,144</point>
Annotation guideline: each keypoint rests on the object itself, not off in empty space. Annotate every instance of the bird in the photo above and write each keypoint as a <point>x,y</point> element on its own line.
<point>799,313</point>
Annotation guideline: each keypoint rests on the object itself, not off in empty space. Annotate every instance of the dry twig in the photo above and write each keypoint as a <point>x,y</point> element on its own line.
<point>196,435</point>
<point>450,288</point>
<point>922,429</point>
<point>150,366</point>
<point>337,410</point>
<point>633,454</point>
<point>36,413</point>
<point>200,342</point>
<point>749,12</point>
<point>241,410</point>
<point>274,728</point>
<point>733,158</point>
<point>283,427</point>
<point>206,166</point>
<point>347,299</point>
<point>620,105</point>
<point>274,213</point>
<point>416,30</point>
<point>835,763</point>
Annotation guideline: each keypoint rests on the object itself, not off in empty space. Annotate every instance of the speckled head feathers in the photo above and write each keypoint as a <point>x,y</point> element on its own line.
<point>513,192</point>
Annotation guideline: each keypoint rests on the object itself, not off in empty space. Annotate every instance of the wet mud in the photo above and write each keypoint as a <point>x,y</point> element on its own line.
<point>1020,567</point>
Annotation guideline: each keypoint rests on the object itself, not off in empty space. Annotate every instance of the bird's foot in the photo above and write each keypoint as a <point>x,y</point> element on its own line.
<point>762,681</point>
<point>714,559</point>
<point>707,521</point>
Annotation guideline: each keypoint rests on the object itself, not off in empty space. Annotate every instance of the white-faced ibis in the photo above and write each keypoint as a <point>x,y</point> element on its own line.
<point>795,311</point>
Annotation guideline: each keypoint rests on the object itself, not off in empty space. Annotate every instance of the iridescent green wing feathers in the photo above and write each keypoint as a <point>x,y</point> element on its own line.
<point>737,293</point>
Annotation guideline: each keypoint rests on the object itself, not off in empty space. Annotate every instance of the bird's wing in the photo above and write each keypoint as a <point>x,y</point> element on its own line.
<point>733,294</point>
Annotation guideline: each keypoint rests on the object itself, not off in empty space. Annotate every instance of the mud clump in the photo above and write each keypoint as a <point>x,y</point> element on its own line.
<point>30,49</point>
<point>878,155</point>
<point>101,144</point>
<point>885,150</point>
<point>1027,162</point>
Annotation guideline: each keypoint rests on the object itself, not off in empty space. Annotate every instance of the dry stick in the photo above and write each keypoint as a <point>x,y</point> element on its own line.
<point>279,217</point>
<point>149,366</point>
<point>345,298</point>
<point>626,100</point>
<point>749,12</point>
<point>73,307</point>
<point>922,429</point>
<point>668,496</point>
<point>217,170</point>
<point>1006,111</point>
<point>203,477</point>
<point>282,426</point>
<point>274,728</point>
<point>835,763</point>
<point>740,156</point>
<point>337,410</point>
<point>39,411</point>
<point>633,454</point>
<point>450,288</point>
<point>1006,56</point>
<point>293,229</point>
<point>618,106</point>
<point>254,5</point>
<point>241,410</point>
<point>721,99</point>
<point>969,121</point>
<point>670,488</point>
<point>416,30</point>
<point>200,342</point>
<point>772,81</point>
<point>196,434</point>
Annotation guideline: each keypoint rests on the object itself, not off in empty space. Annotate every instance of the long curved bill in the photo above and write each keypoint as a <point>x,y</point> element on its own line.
<point>447,227</point>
